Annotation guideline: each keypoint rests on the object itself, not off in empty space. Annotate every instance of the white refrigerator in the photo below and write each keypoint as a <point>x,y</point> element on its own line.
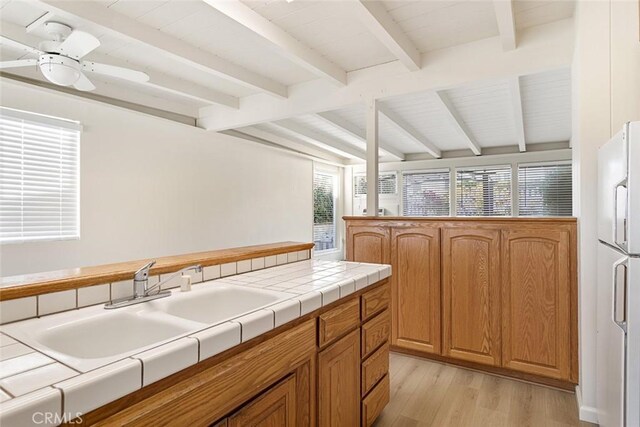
<point>618,313</point>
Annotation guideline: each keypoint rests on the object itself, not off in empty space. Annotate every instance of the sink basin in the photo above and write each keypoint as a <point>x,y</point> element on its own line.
<point>91,337</point>
<point>104,336</point>
<point>215,304</point>
<point>98,336</point>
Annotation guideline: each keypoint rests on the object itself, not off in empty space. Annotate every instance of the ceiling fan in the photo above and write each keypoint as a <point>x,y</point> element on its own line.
<point>60,59</point>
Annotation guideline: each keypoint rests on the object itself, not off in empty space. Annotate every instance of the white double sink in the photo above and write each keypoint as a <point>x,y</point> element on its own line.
<point>91,337</point>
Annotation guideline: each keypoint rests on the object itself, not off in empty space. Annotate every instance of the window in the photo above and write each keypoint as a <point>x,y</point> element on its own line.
<point>324,210</point>
<point>425,193</point>
<point>387,184</point>
<point>483,191</point>
<point>545,190</point>
<point>39,164</point>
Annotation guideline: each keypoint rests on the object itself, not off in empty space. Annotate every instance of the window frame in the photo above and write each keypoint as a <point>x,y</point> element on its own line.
<point>508,166</point>
<point>403,173</point>
<point>336,174</point>
<point>534,164</point>
<point>69,125</point>
<point>397,175</point>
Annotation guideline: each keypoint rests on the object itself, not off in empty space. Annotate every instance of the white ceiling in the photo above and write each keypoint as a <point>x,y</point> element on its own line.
<point>335,34</point>
<point>486,108</point>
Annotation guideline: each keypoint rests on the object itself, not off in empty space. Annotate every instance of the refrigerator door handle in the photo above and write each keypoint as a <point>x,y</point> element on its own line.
<point>619,311</point>
<point>620,243</point>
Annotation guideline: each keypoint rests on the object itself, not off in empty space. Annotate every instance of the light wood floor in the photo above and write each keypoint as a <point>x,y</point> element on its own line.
<point>426,393</point>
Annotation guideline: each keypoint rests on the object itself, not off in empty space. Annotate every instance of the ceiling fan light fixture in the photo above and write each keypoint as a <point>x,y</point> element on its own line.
<point>59,69</point>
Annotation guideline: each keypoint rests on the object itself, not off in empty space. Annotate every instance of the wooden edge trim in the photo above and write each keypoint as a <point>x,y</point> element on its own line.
<point>41,283</point>
<point>493,370</point>
<point>462,219</point>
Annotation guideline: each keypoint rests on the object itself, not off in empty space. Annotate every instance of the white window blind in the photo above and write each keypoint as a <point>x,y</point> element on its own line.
<point>387,184</point>
<point>483,191</point>
<point>324,211</point>
<point>39,188</point>
<point>545,190</point>
<point>425,193</point>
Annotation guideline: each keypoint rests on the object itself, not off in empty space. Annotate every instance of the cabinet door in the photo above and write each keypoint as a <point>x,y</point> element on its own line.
<point>536,289</point>
<point>368,244</point>
<point>339,383</point>
<point>274,408</point>
<point>471,294</point>
<point>415,290</point>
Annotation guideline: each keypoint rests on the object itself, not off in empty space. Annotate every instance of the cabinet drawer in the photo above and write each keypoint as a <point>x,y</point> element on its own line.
<point>374,403</point>
<point>375,332</point>
<point>335,322</point>
<point>374,368</point>
<point>374,301</point>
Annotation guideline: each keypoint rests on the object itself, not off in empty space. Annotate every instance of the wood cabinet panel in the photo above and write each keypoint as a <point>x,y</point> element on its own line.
<point>375,301</point>
<point>274,408</point>
<point>375,332</point>
<point>471,294</point>
<point>374,368</point>
<point>207,394</point>
<point>368,244</point>
<point>338,321</point>
<point>339,383</point>
<point>415,290</point>
<point>374,403</point>
<point>536,295</point>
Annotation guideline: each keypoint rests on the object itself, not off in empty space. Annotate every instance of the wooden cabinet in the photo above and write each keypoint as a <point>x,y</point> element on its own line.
<point>471,294</point>
<point>374,368</point>
<point>536,292</point>
<point>374,403</point>
<point>375,333</point>
<point>372,302</point>
<point>274,408</point>
<point>339,383</point>
<point>368,244</point>
<point>284,379</point>
<point>337,321</point>
<point>489,293</point>
<point>415,288</point>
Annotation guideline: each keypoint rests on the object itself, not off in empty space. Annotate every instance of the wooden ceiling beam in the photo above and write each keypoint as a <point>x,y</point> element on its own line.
<point>376,18</point>
<point>164,44</point>
<point>315,138</point>
<point>409,131</point>
<point>506,23</point>
<point>456,121</point>
<point>283,41</point>
<point>294,144</point>
<point>346,126</point>
<point>552,49</point>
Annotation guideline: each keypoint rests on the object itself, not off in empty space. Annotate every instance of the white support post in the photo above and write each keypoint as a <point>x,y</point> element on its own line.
<point>372,157</point>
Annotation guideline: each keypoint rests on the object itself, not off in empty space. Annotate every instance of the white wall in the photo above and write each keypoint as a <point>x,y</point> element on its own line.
<point>151,187</point>
<point>606,94</point>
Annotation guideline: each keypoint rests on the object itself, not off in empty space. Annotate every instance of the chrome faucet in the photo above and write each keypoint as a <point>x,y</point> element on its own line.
<point>141,280</point>
<point>141,290</point>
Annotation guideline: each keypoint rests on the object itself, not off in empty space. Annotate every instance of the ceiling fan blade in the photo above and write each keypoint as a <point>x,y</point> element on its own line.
<point>6,41</point>
<point>113,71</point>
<point>78,44</point>
<point>84,84</point>
<point>18,63</point>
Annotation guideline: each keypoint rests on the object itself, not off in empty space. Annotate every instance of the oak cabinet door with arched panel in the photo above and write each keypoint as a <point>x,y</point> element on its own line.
<point>415,289</point>
<point>368,244</point>
<point>471,294</point>
<point>536,294</point>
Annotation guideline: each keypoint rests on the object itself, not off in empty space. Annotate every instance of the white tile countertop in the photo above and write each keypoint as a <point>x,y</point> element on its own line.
<point>36,384</point>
